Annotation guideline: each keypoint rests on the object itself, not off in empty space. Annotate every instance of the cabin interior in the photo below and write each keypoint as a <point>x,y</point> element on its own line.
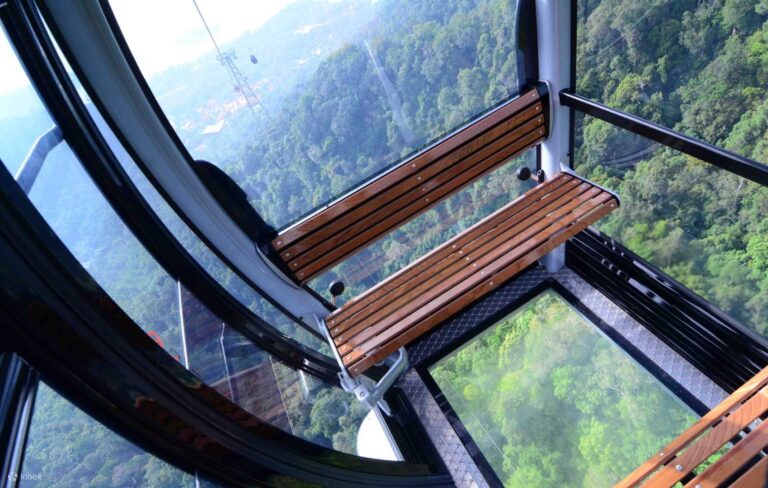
<point>473,243</point>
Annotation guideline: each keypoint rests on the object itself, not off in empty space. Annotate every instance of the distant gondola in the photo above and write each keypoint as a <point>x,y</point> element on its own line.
<point>253,59</point>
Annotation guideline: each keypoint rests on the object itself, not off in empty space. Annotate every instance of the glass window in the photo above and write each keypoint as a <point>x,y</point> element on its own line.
<point>23,118</point>
<point>282,396</point>
<point>427,231</point>
<point>550,401</point>
<point>705,227</point>
<point>697,67</point>
<point>302,101</point>
<point>67,448</point>
<point>82,218</point>
<point>245,294</point>
<point>249,297</point>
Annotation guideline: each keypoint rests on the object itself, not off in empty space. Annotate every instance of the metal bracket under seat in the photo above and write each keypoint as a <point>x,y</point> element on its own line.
<point>369,396</point>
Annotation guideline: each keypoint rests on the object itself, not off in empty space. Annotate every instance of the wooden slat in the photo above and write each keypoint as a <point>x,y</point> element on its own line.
<point>733,460</point>
<point>710,442</point>
<point>446,166</point>
<point>450,289</point>
<point>488,222</point>
<point>480,232</point>
<point>414,202</point>
<point>436,315</point>
<point>468,278</point>
<point>381,184</point>
<point>683,440</point>
<point>335,255</point>
<point>467,261</point>
<point>428,268</point>
<point>756,476</point>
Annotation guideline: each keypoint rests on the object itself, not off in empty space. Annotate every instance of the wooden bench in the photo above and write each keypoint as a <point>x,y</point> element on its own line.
<point>740,466</point>
<point>409,303</point>
<point>386,203</point>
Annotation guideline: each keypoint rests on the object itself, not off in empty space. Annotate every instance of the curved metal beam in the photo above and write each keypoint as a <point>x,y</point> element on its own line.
<point>88,34</point>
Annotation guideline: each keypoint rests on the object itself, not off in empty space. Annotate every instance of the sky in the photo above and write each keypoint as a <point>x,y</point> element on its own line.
<point>172,34</point>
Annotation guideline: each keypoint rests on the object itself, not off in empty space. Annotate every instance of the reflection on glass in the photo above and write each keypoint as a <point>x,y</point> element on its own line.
<point>75,209</point>
<point>286,398</point>
<point>697,67</point>
<point>704,226</point>
<point>305,99</point>
<point>202,254</point>
<point>550,401</point>
<point>67,448</point>
<point>205,257</point>
<point>427,231</point>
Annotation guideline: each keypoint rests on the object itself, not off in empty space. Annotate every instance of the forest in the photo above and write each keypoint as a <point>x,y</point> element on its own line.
<point>700,68</point>
<point>550,401</point>
<point>332,120</point>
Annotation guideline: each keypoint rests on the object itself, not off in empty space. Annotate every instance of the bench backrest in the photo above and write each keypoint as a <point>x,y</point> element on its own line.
<point>389,201</point>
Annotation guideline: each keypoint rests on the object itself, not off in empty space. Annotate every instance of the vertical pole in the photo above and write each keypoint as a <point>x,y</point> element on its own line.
<point>553,23</point>
<point>182,325</point>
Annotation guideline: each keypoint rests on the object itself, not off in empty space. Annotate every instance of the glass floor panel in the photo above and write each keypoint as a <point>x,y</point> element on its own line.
<point>550,401</point>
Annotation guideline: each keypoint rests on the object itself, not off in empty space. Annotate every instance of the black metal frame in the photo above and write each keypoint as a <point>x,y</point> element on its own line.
<point>548,284</point>
<point>18,386</point>
<point>91,352</point>
<point>25,29</point>
<point>706,152</point>
<point>715,343</point>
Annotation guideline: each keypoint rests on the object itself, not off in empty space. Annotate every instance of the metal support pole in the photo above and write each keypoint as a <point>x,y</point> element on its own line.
<point>553,22</point>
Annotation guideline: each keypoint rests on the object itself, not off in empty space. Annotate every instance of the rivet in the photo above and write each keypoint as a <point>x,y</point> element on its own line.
<point>287,254</point>
<point>423,189</point>
<point>453,246</point>
<point>491,283</point>
<point>661,454</point>
<point>427,199</point>
<point>413,165</point>
<point>541,132</point>
<point>474,265</point>
<point>679,467</point>
<point>279,242</point>
<point>482,273</point>
<point>295,264</point>
<point>418,178</point>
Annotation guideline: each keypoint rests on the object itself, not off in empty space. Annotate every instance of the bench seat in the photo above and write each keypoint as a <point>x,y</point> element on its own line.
<point>411,302</point>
